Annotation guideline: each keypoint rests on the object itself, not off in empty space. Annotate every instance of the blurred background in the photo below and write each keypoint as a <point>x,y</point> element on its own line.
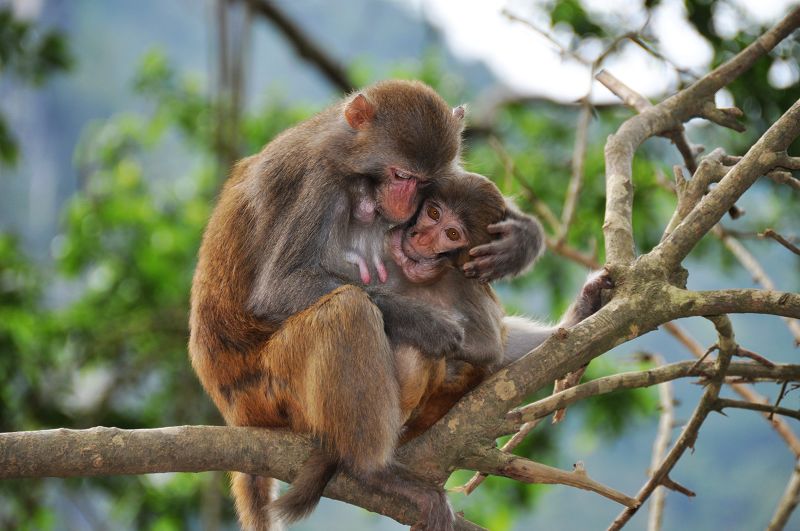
<point>119,119</point>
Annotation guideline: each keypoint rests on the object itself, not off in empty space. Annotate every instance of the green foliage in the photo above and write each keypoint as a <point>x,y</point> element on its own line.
<point>30,55</point>
<point>115,354</point>
<point>572,13</point>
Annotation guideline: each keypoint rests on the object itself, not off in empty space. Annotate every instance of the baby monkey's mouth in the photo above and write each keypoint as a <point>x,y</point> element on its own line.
<point>416,267</point>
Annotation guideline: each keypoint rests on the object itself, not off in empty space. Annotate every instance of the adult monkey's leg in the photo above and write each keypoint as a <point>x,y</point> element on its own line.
<point>329,371</point>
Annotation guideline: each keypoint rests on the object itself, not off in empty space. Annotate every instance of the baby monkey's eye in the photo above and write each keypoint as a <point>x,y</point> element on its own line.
<point>433,213</point>
<point>452,234</point>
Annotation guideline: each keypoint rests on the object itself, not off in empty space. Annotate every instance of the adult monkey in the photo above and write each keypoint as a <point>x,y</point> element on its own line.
<point>276,339</point>
<point>421,259</point>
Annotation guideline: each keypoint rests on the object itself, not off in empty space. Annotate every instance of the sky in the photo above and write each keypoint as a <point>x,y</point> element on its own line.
<point>531,65</point>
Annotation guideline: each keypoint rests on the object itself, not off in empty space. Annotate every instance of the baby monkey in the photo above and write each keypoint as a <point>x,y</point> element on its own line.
<point>423,259</point>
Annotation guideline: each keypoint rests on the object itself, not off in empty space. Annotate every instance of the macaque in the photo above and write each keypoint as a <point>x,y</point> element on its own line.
<point>423,260</point>
<point>429,252</point>
<point>283,335</point>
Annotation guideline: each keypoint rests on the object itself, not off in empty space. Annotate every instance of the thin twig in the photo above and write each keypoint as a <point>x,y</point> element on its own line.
<point>476,480</point>
<point>769,233</point>
<point>687,438</point>
<point>666,422</point>
<point>578,169</point>
<point>752,265</point>
<point>788,502</point>
<point>781,395</point>
<point>722,403</point>
<point>564,50</point>
<point>521,469</point>
<point>539,206</point>
<point>635,379</point>
<point>745,391</point>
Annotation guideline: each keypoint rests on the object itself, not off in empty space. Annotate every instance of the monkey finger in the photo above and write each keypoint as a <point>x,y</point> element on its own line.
<point>485,265</point>
<point>486,249</point>
<point>501,227</point>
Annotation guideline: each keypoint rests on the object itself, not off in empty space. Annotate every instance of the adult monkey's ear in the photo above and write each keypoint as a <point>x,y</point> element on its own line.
<point>359,112</point>
<point>459,112</point>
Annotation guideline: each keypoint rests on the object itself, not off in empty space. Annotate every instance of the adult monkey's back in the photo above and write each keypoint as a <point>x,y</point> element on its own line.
<point>275,338</point>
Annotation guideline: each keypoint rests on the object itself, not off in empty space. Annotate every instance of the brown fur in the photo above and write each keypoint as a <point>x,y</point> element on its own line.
<point>431,387</point>
<point>278,341</point>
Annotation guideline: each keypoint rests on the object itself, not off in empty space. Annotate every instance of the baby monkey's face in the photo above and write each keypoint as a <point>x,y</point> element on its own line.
<point>427,247</point>
<point>436,231</point>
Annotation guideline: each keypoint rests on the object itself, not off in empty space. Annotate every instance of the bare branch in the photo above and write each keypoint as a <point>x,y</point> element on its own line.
<point>702,303</point>
<point>539,206</point>
<point>702,218</point>
<point>629,97</point>
<point>722,403</point>
<point>667,116</point>
<point>751,264</point>
<point>784,177</point>
<point>788,502</point>
<point>112,451</point>
<point>578,168</point>
<point>687,438</point>
<point>769,233</point>
<point>510,445</point>
<point>636,101</point>
<point>725,117</point>
<point>666,422</point>
<point>563,249</point>
<point>563,49</point>
<point>635,379</point>
<point>521,469</point>
<point>745,391</point>
<point>304,45</point>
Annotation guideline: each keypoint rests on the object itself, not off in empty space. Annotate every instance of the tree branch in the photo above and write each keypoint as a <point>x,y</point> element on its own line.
<point>713,206</point>
<point>521,469</point>
<point>722,403</point>
<point>669,115</point>
<point>702,303</point>
<point>788,502</point>
<point>112,451</point>
<point>743,390</point>
<point>304,45</point>
<point>636,379</point>
<point>666,422</point>
<point>687,438</point>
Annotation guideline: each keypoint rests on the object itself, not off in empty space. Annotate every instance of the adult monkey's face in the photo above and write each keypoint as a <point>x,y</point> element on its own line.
<point>405,135</point>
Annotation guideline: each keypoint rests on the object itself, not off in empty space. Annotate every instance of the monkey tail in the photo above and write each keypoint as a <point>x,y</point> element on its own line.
<point>254,496</point>
<point>307,487</point>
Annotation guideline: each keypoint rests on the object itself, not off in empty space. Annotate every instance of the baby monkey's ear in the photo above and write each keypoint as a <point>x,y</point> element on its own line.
<point>459,112</point>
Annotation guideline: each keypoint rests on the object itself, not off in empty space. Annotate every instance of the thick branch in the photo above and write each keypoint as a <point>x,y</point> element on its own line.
<point>667,116</point>
<point>702,303</point>
<point>112,451</point>
<point>713,206</point>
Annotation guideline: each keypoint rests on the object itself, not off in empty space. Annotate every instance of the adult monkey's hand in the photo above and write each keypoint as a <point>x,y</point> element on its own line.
<point>520,241</point>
